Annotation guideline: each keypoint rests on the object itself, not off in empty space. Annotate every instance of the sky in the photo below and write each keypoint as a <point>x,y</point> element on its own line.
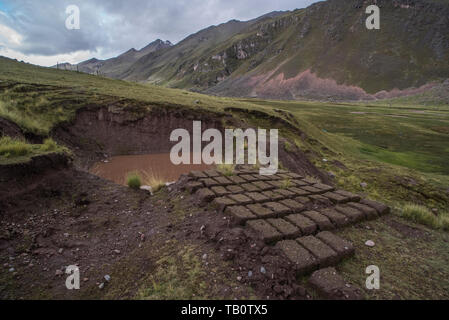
<point>35,30</point>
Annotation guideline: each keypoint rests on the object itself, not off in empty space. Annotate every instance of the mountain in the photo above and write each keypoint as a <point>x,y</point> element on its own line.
<point>324,51</point>
<point>115,67</point>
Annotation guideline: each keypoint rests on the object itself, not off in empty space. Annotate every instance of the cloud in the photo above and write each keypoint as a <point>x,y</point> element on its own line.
<point>37,28</point>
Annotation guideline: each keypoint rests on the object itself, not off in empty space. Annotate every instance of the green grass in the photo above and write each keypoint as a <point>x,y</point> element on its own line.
<point>422,215</point>
<point>226,169</point>
<point>134,181</point>
<point>17,150</point>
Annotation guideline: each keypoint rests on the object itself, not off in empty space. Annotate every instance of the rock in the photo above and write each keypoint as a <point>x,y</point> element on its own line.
<point>263,270</point>
<point>117,251</point>
<point>107,278</point>
<point>370,243</point>
<point>364,185</point>
<point>86,279</point>
<point>59,273</point>
<point>60,251</point>
<point>205,256</point>
<point>12,270</point>
<point>239,278</point>
<point>66,235</point>
<point>250,274</point>
<point>101,286</point>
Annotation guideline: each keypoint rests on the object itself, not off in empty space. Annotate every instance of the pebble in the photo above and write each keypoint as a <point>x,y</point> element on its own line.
<point>117,251</point>
<point>239,278</point>
<point>101,286</point>
<point>205,256</point>
<point>59,273</point>
<point>107,278</point>
<point>60,251</point>
<point>12,270</point>
<point>364,185</point>
<point>370,243</point>
<point>250,274</point>
<point>263,270</point>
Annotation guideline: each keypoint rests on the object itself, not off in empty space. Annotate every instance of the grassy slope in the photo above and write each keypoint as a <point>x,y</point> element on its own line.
<point>393,184</point>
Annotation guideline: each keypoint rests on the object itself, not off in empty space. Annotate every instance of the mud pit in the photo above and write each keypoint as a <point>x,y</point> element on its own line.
<point>157,166</point>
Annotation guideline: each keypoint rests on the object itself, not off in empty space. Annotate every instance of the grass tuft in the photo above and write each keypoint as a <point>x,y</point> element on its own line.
<point>10,147</point>
<point>152,180</point>
<point>133,180</point>
<point>226,169</point>
<point>422,215</point>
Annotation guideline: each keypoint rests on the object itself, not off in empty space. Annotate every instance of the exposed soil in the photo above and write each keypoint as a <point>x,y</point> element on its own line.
<point>54,215</point>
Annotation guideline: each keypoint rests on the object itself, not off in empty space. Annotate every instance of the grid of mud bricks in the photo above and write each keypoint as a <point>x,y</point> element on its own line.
<point>296,216</point>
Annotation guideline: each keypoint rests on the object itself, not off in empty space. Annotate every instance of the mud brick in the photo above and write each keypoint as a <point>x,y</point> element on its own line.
<point>241,199</point>
<point>220,191</point>
<point>197,174</point>
<point>250,187</point>
<point>294,205</point>
<point>275,177</point>
<point>320,199</point>
<point>285,193</point>
<point>302,259</point>
<point>282,171</point>
<point>307,226</point>
<point>273,196</point>
<point>257,197</point>
<point>223,181</point>
<point>303,200</point>
<point>323,222</point>
<point>381,208</point>
<point>236,179</point>
<point>276,183</point>
<point>336,198</point>
<point>284,176</point>
<point>370,213</point>
<point>325,255</point>
<point>249,178</point>
<point>350,195</point>
<point>262,177</point>
<point>205,195</point>
<point>260,211</point>
<point>235,189</point>
<point>323,187</point>
<point>240,215</point>
<point>222,203</point>
<point>338,219</point>
<point>212,173</point>
<point>343,247</point>
<point>209,182</point>
<point>312,190</point>
<point>288,230</point>
<point>293,175</point>
<point>278,208</point>
<point>300,183</point>
<point>299,191</point>
<point>353,215</point>
<point>267,232</point>
<point>263,185</point>
<point>310,180</point>
<point>193,186</point>
<point>330,285</point>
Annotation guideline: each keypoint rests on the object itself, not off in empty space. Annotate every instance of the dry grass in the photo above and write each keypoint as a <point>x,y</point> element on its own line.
<point>226,169</point>
<point>422,215</point>
<point>152,180</point>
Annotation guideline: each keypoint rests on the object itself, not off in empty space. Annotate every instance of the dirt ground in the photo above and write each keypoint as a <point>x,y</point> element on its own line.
<point>74,218</point>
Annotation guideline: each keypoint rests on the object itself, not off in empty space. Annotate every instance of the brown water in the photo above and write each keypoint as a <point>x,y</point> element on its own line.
<point>158,165</point>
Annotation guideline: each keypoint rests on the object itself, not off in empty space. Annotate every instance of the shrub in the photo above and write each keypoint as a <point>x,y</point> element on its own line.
<point>152,180</point>
<point>134,181</point>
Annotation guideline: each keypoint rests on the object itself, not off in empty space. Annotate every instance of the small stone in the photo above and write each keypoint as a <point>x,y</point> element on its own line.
<point>250,274</point>
<point>117,251</point>
<point>59,273</point>
<point>66,235</point>
<point>60,251</point>
<point>101,286</point>
<point>370,243</point>
<point>364,185</point>
<point>107,278</point>
<point>12,270</point>
<point>239,278</point>
<point>263,270</point>
<point>205,256</point>
<point>86,279</point>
